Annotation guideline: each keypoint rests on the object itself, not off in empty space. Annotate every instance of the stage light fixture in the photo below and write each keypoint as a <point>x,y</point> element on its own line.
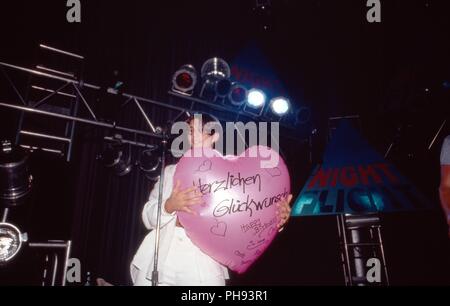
<point>215,74</point>
<point>256,98</point>
<point>256,101</point>
<point>237,95</point>
<point>150,164</point>
<point>222,88</point>
<point>280,106</point>
<point>11,241</point>
<point>116,157</point>
<point>184,80</point>
<point>15,180</point>
<point>217,68</point>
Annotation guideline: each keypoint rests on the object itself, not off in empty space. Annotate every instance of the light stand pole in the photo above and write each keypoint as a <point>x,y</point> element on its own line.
<point>361,240</point>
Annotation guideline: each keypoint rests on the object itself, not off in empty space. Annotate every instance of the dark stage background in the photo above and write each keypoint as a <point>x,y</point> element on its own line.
<point>327,56</point>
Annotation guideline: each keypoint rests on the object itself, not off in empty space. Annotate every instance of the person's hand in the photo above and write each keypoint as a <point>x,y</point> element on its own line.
<point>284,211</point>
<point>182,200</point>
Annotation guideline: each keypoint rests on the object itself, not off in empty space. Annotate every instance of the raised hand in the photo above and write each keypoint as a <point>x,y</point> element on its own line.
<point>182,200</point>
<point>284,211</point>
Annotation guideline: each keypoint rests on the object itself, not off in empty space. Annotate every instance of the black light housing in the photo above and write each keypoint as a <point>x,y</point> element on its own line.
<point>117,156</point>
<point>150,164</point>
<point>215,75</point>
<point>184,80</point>
<point>237,95</point>
<point>15,180</point>
<point>11,242</point>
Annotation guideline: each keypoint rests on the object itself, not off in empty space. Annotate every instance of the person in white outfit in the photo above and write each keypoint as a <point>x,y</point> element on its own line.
<point>180,262</point>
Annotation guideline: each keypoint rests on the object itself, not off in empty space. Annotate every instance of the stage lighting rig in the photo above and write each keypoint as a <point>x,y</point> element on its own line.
<point>150,163</point>
<point>215,75</point>
<point>280,106</point>
<point>184,80</point>
<point>256,100</point>
<point>11,242</point>
<point>15,180</point>
<point>117,156</point>
<point>237,95</point>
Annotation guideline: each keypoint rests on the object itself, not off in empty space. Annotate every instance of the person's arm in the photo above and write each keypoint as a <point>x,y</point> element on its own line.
<point>174,199</point>
<point>150,211</point>
<point>444,192</point>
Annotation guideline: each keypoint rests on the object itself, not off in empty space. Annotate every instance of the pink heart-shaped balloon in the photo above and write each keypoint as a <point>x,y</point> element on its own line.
<point>238,220</point>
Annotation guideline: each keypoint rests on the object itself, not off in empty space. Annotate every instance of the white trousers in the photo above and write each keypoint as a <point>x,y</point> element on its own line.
<point>187,265</point>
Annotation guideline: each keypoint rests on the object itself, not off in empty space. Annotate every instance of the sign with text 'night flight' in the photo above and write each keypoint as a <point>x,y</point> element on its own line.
<point>355,179</point>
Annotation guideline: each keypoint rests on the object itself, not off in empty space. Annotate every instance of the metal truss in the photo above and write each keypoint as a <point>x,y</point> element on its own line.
<point>80,88</point>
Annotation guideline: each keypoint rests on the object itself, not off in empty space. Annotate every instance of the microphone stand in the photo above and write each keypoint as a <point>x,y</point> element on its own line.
<point>155,273</point>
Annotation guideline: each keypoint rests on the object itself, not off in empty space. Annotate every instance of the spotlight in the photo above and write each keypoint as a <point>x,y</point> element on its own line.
<point>280,106</point>
<point>222,88</point>
<point>217,68</point>
<point>237,95</point>
<point>150,164</point>
<point>215,74</point>
<point>256,100</point>
<point>11,241</point>
<point>15,179</point>
<point>115,157</point>
<point>184,80</point>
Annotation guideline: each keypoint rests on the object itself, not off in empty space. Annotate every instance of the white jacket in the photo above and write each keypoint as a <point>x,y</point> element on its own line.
<point>143,259</point>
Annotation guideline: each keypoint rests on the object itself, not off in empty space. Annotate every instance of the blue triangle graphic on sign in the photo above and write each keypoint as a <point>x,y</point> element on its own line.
<point>355,179</point>
<point>347,145</point>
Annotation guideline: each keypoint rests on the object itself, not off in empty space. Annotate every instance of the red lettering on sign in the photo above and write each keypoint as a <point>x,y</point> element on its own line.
<point>334,178</point>
<point>349,177</point>
<point>321,177</point>
<point>366,172</point>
